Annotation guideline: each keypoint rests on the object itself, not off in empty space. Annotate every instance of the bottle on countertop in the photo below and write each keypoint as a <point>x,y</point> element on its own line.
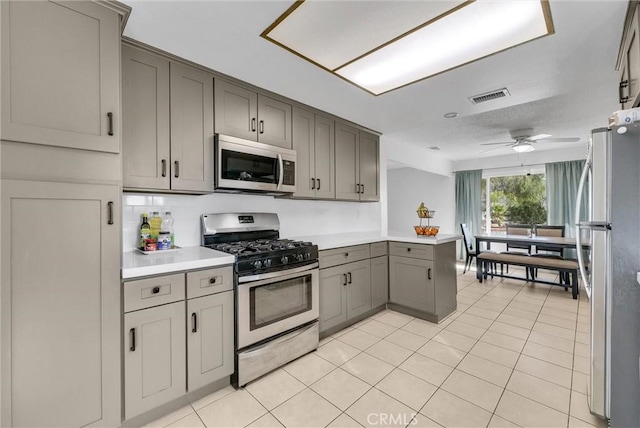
<point>145,232</point>
<point>156,223</point>
<point>167,238</point>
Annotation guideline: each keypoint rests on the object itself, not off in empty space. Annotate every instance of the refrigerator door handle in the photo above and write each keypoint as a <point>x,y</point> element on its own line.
<point>583,179</point>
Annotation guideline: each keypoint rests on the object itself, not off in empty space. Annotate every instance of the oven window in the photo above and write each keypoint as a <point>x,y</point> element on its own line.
<point>277,301</point>
<point>248,167</point>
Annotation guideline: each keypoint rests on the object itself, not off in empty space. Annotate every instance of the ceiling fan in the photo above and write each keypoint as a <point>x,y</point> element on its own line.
<point>523,140</point>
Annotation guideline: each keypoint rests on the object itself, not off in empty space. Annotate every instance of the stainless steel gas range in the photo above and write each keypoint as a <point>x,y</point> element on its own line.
<point>276,290</point>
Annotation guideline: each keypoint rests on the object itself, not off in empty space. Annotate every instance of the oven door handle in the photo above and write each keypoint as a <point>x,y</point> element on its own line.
<point>280,274</point>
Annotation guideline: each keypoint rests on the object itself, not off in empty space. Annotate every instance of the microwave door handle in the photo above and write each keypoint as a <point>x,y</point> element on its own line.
<point>583,179</point>
<point>280,171</point>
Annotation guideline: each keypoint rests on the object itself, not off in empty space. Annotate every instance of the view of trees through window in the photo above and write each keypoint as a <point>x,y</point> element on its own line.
<point>518,199</point>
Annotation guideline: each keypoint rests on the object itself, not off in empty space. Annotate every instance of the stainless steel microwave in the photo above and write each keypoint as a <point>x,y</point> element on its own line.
<point>248,166</point>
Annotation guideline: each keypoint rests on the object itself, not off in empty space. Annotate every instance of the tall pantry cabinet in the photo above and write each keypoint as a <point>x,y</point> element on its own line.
<point>60,184</point>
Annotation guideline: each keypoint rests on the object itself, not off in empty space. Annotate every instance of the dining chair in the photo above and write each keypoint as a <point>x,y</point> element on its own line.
<point>518,229</point>
<point>549,252</point>
<point>469,242</point>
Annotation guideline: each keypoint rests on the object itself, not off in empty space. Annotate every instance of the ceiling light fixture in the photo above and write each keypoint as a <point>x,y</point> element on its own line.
<point>523,148</point>
<point>451,115</point>
<point>382,46</point>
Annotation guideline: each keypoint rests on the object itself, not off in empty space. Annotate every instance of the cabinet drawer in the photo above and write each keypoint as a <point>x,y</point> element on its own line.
<point>210,281</point>
<point>145,293</point>
<point>378,249</point>
<point>339,256</point>
<point>416,251</point>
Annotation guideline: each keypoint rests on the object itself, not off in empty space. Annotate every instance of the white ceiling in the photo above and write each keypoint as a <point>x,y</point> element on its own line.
<point>564,84</point>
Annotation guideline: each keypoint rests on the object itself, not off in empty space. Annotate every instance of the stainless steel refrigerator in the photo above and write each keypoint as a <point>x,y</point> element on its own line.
<point>609,271</point>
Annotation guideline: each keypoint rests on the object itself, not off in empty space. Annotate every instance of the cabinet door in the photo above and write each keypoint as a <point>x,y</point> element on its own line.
<point>61,74</point>
<point>325,164</point>
<point>210,339</point>
<point>358,288</point>
<point>274,122</point>
<point>347,167</point>
<point>145,120</point>
<point>303,144</point>
<point>633,65</point>
<point>236,111</point>
<point>369,167</point>
<point>333,297</point>
<point>191,129</point>
<point>411,283</point>
<point>154,357</point>
<point>379,281</point>
<point>60,304</point>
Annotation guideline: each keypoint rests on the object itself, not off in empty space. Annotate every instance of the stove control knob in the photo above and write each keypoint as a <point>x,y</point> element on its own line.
<point>299,257</point>
<point>284,260</point>
<point>307,256</point>
<point>267,263</point>
<point>257,264</point>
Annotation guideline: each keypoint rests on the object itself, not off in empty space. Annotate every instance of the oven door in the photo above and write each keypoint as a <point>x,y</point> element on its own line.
<point>247,165</point>
<point>275,303</point>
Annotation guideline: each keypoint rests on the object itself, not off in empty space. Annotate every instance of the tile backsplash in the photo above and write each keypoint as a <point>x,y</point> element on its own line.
<point>297,217</point>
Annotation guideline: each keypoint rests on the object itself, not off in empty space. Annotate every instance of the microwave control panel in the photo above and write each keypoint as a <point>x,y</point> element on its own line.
<point>289,173</point>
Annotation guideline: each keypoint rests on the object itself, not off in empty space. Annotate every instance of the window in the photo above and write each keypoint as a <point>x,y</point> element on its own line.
<point>514,196</point>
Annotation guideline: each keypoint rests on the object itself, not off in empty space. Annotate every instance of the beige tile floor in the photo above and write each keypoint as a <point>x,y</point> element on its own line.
<point>513,354</point>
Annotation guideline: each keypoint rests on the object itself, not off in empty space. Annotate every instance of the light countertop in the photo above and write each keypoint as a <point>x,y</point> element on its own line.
<point>136,264</point>
<point>326,242</point>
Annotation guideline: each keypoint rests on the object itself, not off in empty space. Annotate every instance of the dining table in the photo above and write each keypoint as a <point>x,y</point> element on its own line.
<point>526,240</point>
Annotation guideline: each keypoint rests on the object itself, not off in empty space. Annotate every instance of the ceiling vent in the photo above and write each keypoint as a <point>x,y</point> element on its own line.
<point>493,95</point>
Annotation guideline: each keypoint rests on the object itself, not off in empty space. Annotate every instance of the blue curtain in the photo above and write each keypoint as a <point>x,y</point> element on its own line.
<point>468,202</point>
<point>562,188</point>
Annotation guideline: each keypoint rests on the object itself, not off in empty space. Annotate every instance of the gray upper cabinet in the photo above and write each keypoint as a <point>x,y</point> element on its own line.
<point>167,124</point>
<point>191,129</point>
<point>61,74</point>
<point>314,143</point>
<point>60,304</point>
<point>629,65</point>
<point>244,113</point>
<point>357,163</point>
<point>145,120</point>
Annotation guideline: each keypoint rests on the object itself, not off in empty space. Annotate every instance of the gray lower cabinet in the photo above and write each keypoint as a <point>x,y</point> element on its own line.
<point>314,143</point>
<point>345,292</point>
<point>210,347</point>
<point>61,74</point>
<point>154,357</point>
<point>422,279</point>
<point>174,346</point>
<point>379,281</point>
<point>59,304</point>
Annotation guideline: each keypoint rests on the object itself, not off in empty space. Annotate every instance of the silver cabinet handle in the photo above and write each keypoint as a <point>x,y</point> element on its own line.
<point>176,164</point>
<point>132,338</point>
<point>194,323</point>
<point>110,215</point>
<point>313,184</point>
<point>164,167</point>
<point>253,124</point>
<point>262,126</point>
<point>110,120</point>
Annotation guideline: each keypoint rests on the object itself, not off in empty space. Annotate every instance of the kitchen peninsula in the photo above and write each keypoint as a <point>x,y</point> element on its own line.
<point>364,272</point>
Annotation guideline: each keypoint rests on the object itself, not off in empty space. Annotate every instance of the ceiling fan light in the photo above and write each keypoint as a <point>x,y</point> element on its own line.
<point>523,148</point>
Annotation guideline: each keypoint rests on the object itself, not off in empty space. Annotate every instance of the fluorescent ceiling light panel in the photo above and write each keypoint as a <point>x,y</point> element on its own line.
<point>383,45</point>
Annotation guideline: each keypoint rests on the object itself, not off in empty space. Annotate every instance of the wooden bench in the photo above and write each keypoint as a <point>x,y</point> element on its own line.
<point>569,267</point>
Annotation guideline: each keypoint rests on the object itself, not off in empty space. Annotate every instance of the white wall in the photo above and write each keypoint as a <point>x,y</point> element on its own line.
<point>297,217</point>
<point>408,187</point>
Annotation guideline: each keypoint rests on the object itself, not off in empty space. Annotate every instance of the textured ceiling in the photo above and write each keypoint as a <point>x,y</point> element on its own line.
<point>564,84</point>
